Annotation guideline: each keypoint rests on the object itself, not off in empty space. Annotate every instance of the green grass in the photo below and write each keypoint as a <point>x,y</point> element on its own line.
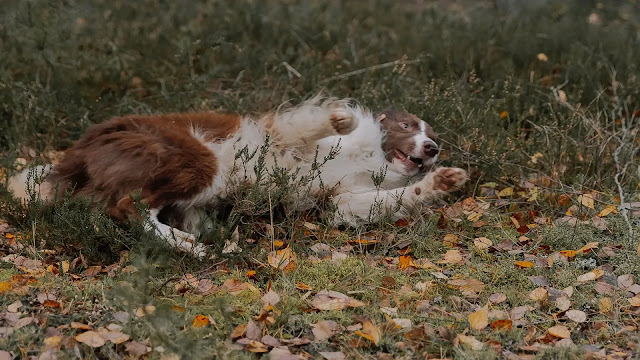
<point>471,69</point>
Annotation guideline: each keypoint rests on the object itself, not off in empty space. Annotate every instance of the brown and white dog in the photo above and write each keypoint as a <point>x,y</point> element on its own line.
<point>189,161</point>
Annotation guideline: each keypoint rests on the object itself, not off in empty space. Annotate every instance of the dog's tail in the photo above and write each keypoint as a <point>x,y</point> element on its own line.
<point>31,183</point>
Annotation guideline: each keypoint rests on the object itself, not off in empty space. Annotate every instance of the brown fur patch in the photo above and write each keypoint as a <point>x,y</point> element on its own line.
<point>156,155</point>
<point>398,137</point>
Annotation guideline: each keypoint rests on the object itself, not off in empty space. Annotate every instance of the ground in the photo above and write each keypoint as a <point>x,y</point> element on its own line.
<point>537,257</point>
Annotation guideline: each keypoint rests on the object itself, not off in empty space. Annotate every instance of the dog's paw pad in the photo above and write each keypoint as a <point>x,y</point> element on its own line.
<point>343,121</point>
<point>449,179</point>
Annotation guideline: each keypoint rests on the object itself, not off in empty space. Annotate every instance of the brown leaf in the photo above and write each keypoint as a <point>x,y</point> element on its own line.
<point>559,331</point>
<point>333,300</point>
<point>586,200</point>
<point>625,281</point>
<point>453,257</point>
<point>497,298</point>
<point>136,348</point>
<point>238,331</point>
<point>539,294</point>
<point>324,329</point>
<point>91,338</point>
<point>479,319</point>
<point>482,243</point>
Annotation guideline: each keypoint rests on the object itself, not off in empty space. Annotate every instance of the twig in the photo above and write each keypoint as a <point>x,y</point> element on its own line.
<point>373,68</point>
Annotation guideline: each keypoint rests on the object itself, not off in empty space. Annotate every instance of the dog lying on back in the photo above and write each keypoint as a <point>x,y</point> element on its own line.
<point>189,161</point>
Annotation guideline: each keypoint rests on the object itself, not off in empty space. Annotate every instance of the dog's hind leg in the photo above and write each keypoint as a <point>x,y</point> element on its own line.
<point>303,125</point>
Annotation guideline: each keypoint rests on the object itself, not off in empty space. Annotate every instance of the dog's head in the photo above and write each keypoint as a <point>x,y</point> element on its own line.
<point>409,143</point>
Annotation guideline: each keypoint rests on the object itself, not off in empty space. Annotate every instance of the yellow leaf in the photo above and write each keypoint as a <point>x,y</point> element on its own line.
<point>91,338</point>
<point>278,243</point>
<point>283,259</point>
<point>200,321</point>
<point>239,331</point>
<point>371,331</point>
<point>542,57</point>
<point>588,247</point>
<point>605,305</point>
<point>404,262</point>
<point>504,114</point>
<point>506,192</point>
<point>586,200</point>
<point>53,341</point>
<point>591,275</point>
<point>450,240</point>
<point>569,254</point>
<point>500,325</point>
<point>479,319</point>
<point>608,210</point>
<point>524,264</point>
<point>559,331</point>
<point>634,301</point>
<point>5,286</point>
<point>304,287</point>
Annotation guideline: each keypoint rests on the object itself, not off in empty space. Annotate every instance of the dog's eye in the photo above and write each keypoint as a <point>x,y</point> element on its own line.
<point>404,125</point>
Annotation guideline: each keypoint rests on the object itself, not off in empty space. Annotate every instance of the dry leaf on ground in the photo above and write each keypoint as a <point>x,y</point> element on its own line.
<point>333,300</point>
<point>479,319</point>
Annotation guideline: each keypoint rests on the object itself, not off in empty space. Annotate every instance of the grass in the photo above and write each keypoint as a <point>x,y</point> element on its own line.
<point>540,101</point>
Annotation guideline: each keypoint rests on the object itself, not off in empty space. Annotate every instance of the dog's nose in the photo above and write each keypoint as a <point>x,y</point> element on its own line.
<point>431,149</point>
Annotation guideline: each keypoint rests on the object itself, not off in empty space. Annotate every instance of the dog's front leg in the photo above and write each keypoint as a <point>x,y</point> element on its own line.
<point>357,208</point>
<point>302,126</point>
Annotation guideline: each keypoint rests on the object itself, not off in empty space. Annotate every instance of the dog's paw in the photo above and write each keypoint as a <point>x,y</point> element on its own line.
<point>449,179</point>
<point>343,121</point>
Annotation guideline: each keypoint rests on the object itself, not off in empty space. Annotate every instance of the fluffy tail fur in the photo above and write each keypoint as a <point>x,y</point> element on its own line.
<point>31,181</point>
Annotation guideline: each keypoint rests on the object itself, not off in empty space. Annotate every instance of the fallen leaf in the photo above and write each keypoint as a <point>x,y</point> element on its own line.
<point>576,316</point>
<point>333,300</point>
<point>605,305</point>
<point>370,332</point>
<point>282,353</point>
<point>200,321</point>
<point>563,303</point>
<point>284,259</point>
<point>539,294</point>
<point>518,312</point>
<point>470,341</point>
<point>497,298</point>
<point>451,257</point>
<point>524,264</point>
<point>506,192</point>
<point>77,325</point>
<point>608,210</point>
<point>591,275</point>
<point>238,331</point>
<point>542,57</point>
<point>271,298</point>
<point>404,262</point>
<point>588,247</point>
<point>136,348</point>
<point>303,287</point>
<point>324,329</point>
<point>499,325</point>
<point>625,281</point>
<point>479,319</point>
<point>634,301</point>
<point>564,200</point>
<point>4,286</point>
<point>559,331</point>
<point>482,243</point>
<point>91,338</point>
<point>115,337</point>
<point>569,254</point>
<point>562,95</point>
<point>586,200</point>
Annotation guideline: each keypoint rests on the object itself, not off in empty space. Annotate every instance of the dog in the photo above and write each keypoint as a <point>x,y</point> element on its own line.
<point>379,163</point>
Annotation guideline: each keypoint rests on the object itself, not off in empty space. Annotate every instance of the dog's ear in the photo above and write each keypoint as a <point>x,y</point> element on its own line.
<point>384,114</point>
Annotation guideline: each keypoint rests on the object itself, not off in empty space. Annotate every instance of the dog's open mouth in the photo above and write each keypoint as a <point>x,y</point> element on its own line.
<point>408,160</point>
